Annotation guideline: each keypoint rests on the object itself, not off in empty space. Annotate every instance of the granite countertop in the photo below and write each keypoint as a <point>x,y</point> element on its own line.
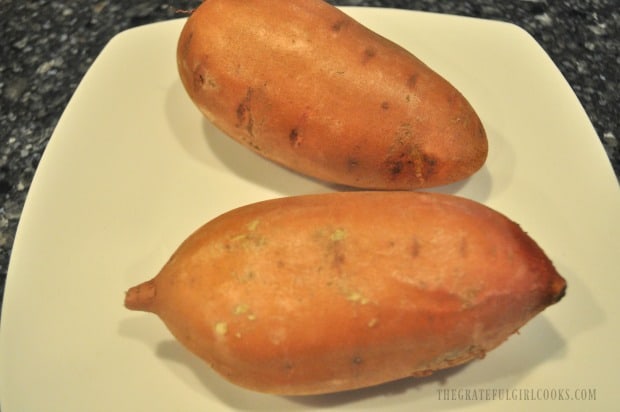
<point>47,46</point>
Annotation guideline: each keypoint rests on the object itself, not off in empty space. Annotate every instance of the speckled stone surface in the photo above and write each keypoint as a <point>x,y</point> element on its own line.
<point>47,46</point>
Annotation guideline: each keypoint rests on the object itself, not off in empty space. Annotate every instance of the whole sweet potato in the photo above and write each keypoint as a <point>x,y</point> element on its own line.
<point>305,85</point>
<point>324,293</point>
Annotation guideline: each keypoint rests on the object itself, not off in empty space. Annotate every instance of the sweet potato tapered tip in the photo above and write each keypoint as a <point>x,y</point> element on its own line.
<point>141,297</point>
<point>559,285</point>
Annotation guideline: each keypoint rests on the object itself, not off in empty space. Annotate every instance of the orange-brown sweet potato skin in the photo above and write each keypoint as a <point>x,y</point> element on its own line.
<point>324,293</point>
<point>306,86</point>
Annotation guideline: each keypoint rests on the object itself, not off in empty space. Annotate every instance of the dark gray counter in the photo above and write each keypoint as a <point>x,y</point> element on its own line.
<point>47,46</point>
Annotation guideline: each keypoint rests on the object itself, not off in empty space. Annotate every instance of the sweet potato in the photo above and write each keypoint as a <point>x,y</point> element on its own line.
<point>305,85</point>
<point>330,292</point>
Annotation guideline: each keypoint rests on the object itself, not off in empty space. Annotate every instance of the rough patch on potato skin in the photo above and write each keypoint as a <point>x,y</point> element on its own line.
<point>412,81</point>
<point>244,112</point>
<point>409,162</point>
<point>368,54</point>
<point>294,137</point>
<point>339,25</point>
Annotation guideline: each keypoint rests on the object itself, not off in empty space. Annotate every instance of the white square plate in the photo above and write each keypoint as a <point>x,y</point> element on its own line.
<point>132,168</point>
